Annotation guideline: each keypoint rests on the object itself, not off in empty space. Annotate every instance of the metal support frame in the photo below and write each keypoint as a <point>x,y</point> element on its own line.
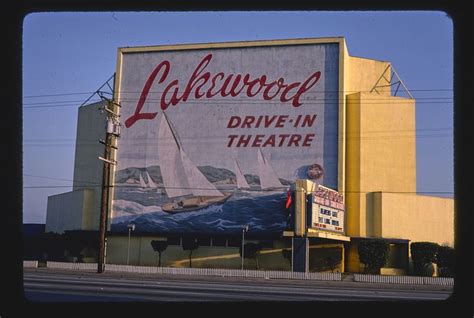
<point>390,82</point>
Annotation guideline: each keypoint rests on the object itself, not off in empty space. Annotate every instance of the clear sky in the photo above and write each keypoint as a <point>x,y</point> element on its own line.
<point>67,56</point>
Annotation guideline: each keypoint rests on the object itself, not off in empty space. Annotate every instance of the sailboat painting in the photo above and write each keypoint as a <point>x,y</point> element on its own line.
<point>212,137</point>
<point>268,177</point>
<point>242,183</point>
<point>182,180</point>
<point>149,184</point>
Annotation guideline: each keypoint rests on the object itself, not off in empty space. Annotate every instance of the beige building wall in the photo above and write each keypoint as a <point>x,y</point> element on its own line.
<point>68,211</point>
<point>91,126</point>
<point>80,209</point>
<point>381,153</point>
<point>414,217</point>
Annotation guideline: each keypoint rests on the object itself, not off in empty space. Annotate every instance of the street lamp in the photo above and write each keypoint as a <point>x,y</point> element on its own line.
<point>245,228</point>
<point>131,227</point>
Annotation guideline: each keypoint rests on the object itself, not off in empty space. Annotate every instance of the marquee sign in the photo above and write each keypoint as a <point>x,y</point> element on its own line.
<point>327,210</point>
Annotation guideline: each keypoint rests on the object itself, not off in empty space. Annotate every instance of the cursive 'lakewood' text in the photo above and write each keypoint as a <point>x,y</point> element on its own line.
<point>203,84</point>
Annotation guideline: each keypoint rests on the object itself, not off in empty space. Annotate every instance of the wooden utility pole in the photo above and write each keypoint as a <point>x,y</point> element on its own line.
<point>112,130</point>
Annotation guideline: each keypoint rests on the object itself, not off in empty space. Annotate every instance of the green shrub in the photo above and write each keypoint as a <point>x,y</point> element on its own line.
<point>373,253</point>
<point>445,259</point>
<point>423,254</point>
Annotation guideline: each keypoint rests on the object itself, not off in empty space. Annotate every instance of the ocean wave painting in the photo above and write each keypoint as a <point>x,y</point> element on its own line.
<point>263,211</point>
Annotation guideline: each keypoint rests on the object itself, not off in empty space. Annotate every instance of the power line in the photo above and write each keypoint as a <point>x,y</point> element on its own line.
<point>134,92</point>
<point>259,190</point>
<point>245,99</point>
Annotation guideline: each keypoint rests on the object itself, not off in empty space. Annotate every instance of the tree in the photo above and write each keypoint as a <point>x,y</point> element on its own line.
<point>190,244</point>
<point>77,240</point>
<point>423,254</point>
<point>160,247</point>
<point>374,254</point>
<point>251,250</point>
<point>445,259</point>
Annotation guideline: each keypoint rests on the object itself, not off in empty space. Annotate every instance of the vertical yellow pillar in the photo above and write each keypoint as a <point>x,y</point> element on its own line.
<point>300,208</point>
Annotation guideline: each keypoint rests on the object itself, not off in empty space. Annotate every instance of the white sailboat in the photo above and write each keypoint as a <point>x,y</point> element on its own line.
<point>239,176</point>
<point>182,180</point>
<point>268,178</point>
<point>142,182</point>
<point>149,183</point>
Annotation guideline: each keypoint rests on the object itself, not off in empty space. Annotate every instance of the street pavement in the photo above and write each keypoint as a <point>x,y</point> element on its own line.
<point>42,285</point>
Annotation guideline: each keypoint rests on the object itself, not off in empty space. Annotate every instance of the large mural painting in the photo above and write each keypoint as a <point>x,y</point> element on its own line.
<point>212,139</point>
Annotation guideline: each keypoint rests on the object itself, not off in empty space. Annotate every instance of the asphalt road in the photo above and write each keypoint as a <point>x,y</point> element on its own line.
<point>46,285</point>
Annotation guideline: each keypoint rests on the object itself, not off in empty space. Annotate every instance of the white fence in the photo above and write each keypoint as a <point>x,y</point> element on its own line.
<point>198,271</point>
<point>384,279</point>
<point>223,272</point>
<point>76,266</point>
<point>33,264</point>
<point>413,280</point>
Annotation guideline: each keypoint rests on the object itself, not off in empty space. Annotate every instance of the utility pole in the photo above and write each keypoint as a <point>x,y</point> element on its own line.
<point>112,131</point>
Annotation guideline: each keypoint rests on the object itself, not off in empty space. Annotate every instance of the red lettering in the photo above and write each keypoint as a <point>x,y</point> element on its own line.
<point>270,141</point>
<point>281,120</point>
<point>282,139</point>
<point>269,120</point>
<point>257,141</point>
<point>248,121</point>
<point>231,140</point>
<point>191,82</point>
<point>204,84</point>
<point>307,140</point>
<point>244,140</point>
<point>209,93</point>
<point>310,82</point>
<point>146,89</point>
<point>308,120</point>
<point>234,122</point>
<point>294,140</point>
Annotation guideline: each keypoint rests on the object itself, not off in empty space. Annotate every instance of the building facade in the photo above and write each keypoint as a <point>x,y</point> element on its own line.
<point>214,135</point>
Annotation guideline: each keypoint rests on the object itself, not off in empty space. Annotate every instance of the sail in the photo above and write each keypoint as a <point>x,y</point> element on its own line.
<point>268,177</point>
<point>150,183</point>
<point>241,181</point>
<point>142,182</point>
<point>174,177</point>
<point>199,184</point>
<point>180,175</point>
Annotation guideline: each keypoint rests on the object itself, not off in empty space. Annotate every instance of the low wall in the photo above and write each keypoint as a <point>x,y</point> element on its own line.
<point>413,280</point>
<point>33,264</point>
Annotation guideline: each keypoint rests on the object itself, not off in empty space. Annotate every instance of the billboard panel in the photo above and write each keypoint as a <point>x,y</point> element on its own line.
<point>213,137</point>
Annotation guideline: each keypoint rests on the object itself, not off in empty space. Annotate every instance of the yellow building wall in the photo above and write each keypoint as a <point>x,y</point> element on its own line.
<point>415,217</point>
<point>381,154</point>
<point>363,75</point>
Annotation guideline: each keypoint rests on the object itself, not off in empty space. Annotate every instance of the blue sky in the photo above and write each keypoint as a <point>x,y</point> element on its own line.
<point>67,56</point>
